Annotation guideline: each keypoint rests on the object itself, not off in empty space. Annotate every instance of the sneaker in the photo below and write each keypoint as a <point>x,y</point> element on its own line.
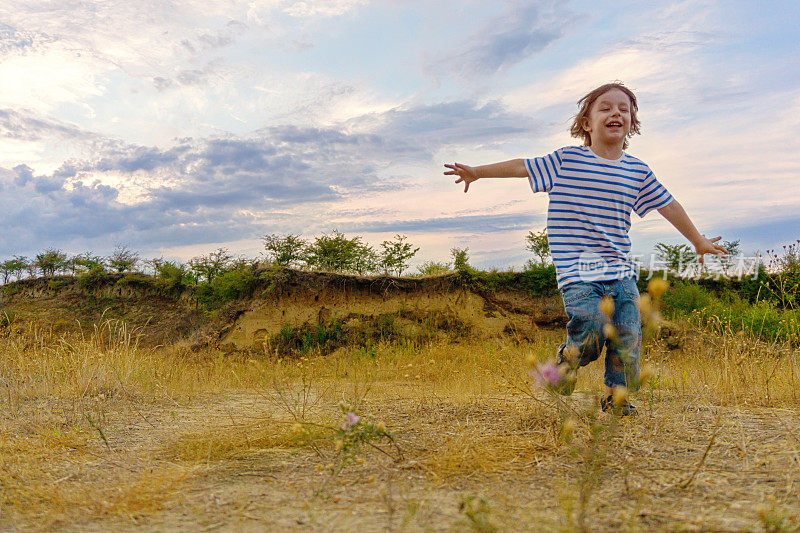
<point>624,409</point>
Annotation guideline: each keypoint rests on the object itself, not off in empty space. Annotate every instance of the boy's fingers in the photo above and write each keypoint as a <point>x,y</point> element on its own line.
<point>715,239</point>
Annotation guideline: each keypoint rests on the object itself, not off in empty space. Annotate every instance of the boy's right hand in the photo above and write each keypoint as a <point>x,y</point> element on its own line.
<point>465,173</point>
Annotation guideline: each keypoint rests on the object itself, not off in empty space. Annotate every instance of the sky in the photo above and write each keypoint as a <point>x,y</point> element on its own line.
<point>176,127</point>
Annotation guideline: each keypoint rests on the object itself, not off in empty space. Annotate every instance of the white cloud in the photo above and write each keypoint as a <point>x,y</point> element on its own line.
<point>330,8</point>
<point>50,78</point>
<point>262,12</point>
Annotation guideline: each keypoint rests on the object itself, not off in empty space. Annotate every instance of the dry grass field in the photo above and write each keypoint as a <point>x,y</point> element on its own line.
<point>98,434</point>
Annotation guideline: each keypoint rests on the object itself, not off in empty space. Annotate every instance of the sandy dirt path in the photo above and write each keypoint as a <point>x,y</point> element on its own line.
<point>677,466</point>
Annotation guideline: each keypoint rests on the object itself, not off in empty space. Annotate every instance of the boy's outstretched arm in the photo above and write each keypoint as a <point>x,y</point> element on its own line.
<point>677,216</point>
<point>514,168</point>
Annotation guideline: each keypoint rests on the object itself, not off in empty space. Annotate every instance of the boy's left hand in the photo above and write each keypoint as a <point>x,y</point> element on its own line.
<point>707,246</point>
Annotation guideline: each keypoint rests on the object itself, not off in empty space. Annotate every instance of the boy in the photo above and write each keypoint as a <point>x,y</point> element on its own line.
<point>593,189</point>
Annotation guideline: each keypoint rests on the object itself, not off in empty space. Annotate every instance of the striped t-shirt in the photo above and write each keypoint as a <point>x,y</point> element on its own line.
<point>589,216</point>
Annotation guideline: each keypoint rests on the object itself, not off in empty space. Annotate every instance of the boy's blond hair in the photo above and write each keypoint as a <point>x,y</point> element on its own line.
<point>585,103</point>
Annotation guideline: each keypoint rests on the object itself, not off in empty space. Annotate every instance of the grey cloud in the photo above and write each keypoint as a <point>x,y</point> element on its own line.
<point>191,77</point>
<point>219,189</point>
<point>441,124</point>
<point>161,83</point>
<point>502,42</point>
<point>28,126</point>
<point>212,181</point>
<point>14,40</point>
<point>24,174</point>
<point>473,223</point>
<point>188,46</point>
<point>188,77</point>
<point>223,37</point>
<point>672,40</point>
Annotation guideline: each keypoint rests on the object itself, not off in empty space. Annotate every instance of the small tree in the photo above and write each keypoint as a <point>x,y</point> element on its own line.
<point>537,243</point>
<point>396,254</point>
<point>284,251</point>
<point>31,268</point>
<point>123,259</point>
<point>153,265</point>
<point>71,266</point>
<point>433,268</point>
<point>460,258</point>
<point>18,266</point>
<point>49,261</point>
<point>337,253</point>
<point>211,265</point>
<point>365,259</point>
<point>6,270</point>
<point>173,275</point>
<point>675,257</point>
<point>88,262</point>
<point>728,261</point>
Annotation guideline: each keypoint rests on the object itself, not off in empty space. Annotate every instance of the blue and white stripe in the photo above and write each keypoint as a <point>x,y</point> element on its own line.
<point>588,218</point>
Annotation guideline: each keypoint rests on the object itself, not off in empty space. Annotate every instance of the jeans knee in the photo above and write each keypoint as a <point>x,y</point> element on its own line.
<point>589,341</point>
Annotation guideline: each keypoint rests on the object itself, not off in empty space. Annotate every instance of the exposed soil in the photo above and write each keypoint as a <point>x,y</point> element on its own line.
<point>291,303</point>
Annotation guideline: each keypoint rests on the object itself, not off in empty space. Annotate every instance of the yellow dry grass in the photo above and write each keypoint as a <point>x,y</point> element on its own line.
<point>97,432</point>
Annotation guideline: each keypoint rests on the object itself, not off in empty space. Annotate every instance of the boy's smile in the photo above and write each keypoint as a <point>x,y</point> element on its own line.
<point>609,120</point>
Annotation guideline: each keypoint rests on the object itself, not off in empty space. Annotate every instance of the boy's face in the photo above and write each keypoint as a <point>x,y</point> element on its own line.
<point>609,120</point>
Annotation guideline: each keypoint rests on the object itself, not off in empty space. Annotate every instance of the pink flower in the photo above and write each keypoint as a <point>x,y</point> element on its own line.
<point>350,421</point>
<point>547,374</point>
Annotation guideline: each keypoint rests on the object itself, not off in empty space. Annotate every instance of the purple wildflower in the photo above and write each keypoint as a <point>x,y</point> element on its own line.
<point>350,421</point>
<point>547,374</point>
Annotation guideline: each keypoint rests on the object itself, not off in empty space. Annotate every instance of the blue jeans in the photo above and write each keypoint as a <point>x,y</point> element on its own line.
<point>586,322</point>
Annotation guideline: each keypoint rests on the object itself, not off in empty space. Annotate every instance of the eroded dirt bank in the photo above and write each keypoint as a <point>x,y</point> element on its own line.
<point>286,309</point>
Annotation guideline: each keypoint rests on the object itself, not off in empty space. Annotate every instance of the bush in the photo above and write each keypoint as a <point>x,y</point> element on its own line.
<point>682,298</point>
<point>729,312</point>
<point>539,246</point>
<point>538,281</point>
<point>233,284</point>
<point>95,277</point>
<point>396,255</point>
<point>337,253</point>
<point>123,259</point>
<point>171,276</point>
<point>432,268</point>
<point>210,266</point>
<point>291,340</point>
<point>50,261</point>
<point>460,259</point>
<point>285,251</point>
<point>135,279</point>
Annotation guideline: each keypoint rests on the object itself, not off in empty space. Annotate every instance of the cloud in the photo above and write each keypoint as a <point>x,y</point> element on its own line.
<point>13,40</point>
<point>426,128</point>
<point>487,223</point>
<point>262,11</point>
<point>27,125</point>
<point>501,43</point>
<point>73,51</point>
<point>221,188</point>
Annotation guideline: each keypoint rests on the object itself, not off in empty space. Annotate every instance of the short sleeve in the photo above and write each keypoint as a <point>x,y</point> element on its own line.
<point>542,171</point>
<point>652,195</point>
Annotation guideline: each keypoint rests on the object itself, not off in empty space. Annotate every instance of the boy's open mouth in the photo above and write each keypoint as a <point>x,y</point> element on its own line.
<point>614,125</point>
